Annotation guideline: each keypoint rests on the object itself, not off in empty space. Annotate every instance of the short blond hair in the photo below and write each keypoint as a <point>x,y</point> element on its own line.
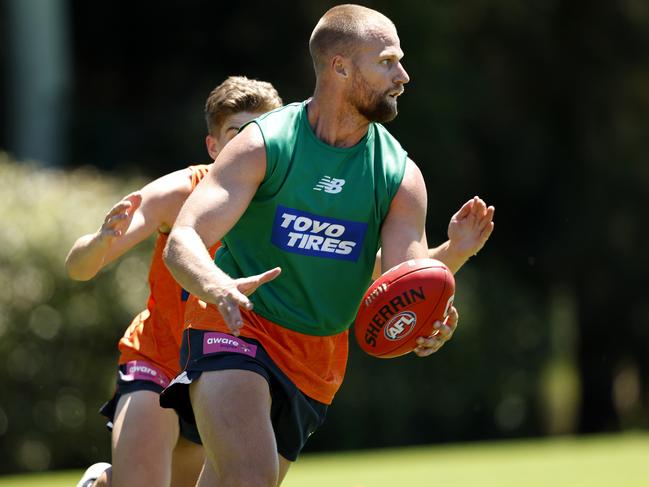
<point>339,30</point>
<point>239,94</point>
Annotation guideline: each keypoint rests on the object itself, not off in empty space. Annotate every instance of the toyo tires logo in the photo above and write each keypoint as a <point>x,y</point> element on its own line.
<point>400,325</point>
<point>303,233</point>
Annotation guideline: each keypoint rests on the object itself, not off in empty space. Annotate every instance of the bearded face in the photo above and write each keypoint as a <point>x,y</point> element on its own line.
<point>374,104</point>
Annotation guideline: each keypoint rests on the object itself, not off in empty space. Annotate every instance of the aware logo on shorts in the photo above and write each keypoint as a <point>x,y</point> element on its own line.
<point>142,370</point>
<point>215,342</point>
<point>304,233</point>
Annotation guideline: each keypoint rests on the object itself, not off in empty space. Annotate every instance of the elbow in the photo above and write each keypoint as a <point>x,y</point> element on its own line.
<point>76,274</point>
<point>170,251</point>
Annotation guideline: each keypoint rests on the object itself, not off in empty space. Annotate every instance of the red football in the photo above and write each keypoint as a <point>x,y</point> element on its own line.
<point>403,305</point>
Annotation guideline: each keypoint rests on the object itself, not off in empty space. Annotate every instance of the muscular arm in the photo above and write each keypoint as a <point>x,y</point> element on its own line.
<point>403,235</point>
<point>213,208</point>
<point>131,220</point>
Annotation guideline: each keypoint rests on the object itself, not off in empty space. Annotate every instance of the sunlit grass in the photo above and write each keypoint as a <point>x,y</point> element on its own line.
<point>600,461</point>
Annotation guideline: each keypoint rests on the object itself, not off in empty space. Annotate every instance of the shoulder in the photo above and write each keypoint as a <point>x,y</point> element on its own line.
<point>412,190</point>
<point>242,160</point>
<point>290,110</point>
<point>280,123</point>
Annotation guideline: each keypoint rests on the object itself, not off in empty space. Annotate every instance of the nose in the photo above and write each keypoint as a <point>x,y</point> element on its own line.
<point>402,75</point>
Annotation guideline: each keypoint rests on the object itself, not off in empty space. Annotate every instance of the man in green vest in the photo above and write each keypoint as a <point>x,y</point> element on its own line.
<point>302,199</point>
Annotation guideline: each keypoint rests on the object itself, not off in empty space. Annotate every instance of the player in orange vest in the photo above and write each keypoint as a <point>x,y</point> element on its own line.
<point>150,446</point>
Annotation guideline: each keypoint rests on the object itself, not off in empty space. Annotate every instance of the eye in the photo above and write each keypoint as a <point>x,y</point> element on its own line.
<point>386,62</point>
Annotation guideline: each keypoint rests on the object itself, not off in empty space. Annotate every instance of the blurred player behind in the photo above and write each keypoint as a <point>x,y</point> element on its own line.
<point>150,447</point>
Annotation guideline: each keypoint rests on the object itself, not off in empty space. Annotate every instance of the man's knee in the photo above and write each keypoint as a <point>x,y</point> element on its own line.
<point>249,476</point>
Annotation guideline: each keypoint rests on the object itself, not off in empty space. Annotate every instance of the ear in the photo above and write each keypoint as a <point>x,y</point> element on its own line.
<point>339,66</point>
<point>213,146</point>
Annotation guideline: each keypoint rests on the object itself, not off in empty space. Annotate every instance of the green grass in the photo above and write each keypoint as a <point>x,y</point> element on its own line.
<point>599,461</point>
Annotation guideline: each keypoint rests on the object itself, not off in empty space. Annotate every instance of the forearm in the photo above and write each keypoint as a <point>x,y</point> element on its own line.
<point>446,253</point>
<point>87,257</point>
<point>190,263</point>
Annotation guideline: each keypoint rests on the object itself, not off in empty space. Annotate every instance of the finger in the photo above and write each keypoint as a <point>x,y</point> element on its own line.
<point>479,207</point>
<point>135,198</point>
<point>229,309</point>
<point>120,208</point>
<point>487,217</point>
<point>240,299</point>
<point>441,334</point>
<point>429,349</point>
<point>249,285</point>
<point>269,275</point>
<point>232,316</point>
<point>465,210</point>
<point>115,219</point>
<point>444,331</point>
<point>486,232</point>
<point>452,318</point>
<point>130,202</point>
<point>423,352</point>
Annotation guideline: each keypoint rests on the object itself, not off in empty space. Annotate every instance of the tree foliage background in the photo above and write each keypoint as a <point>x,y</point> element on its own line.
<point>540,107</point>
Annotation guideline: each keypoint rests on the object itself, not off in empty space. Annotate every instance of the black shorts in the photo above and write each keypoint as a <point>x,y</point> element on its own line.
<point>294,416</point>
<point>142,376</point>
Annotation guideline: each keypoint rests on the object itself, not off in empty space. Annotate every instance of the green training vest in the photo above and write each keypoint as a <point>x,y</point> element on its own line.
<point>318,215</point>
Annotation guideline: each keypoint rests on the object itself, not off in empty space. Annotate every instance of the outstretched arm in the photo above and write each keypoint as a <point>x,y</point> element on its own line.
<point>212,209</point>
<point>134,218</point>
<point>469,229</point>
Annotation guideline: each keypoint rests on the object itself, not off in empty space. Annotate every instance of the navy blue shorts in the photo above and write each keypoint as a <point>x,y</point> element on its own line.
<point>140,375</point>
<point>293,415</point>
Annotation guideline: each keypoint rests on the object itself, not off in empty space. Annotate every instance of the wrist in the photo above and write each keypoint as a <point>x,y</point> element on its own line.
<point>451,255</point>
<point>458,252</point>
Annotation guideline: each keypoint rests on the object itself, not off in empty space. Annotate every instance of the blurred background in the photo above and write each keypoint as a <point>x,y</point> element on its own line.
<point>539,107</point>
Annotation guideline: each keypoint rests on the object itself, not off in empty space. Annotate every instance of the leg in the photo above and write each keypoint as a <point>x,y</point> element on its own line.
<point>232,409</point>
<point>284,465</point>
<point>209,477</point>
<point>186,464</point>
<point>144,435</point>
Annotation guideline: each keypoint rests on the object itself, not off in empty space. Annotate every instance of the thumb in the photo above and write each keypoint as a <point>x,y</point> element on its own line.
<point>249,285</point>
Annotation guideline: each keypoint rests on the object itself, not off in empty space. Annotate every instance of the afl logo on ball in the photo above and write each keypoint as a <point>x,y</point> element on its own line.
<point>400,325</point>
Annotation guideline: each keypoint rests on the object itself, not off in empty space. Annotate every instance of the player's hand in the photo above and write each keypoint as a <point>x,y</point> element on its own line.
<point>119,217</point>
<point>234,295</point>
<point>443,333</point>
<point>471,227</point>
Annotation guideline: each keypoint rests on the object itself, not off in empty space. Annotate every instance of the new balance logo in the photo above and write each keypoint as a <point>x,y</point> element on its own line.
<point>330,185</point>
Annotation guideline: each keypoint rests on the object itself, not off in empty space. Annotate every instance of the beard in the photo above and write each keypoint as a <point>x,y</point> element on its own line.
<point>375,107</point>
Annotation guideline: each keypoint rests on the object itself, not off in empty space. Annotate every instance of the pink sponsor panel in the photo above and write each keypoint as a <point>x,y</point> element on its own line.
<point>142,370</point>
<point>214,342</point>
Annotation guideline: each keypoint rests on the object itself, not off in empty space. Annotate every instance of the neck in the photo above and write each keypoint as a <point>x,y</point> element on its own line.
<point>335,122</point>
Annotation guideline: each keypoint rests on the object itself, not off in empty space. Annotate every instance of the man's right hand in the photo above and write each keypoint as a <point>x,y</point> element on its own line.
<point>234,294</point>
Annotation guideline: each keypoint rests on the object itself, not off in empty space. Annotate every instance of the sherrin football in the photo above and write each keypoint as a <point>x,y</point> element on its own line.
<point>403,305</point>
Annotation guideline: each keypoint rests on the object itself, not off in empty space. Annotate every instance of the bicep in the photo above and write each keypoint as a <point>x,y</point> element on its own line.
<point>403,234</point>
<point>223,195</point>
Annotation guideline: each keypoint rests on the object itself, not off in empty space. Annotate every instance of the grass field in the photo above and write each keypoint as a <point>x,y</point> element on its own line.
<point>600,461</point>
